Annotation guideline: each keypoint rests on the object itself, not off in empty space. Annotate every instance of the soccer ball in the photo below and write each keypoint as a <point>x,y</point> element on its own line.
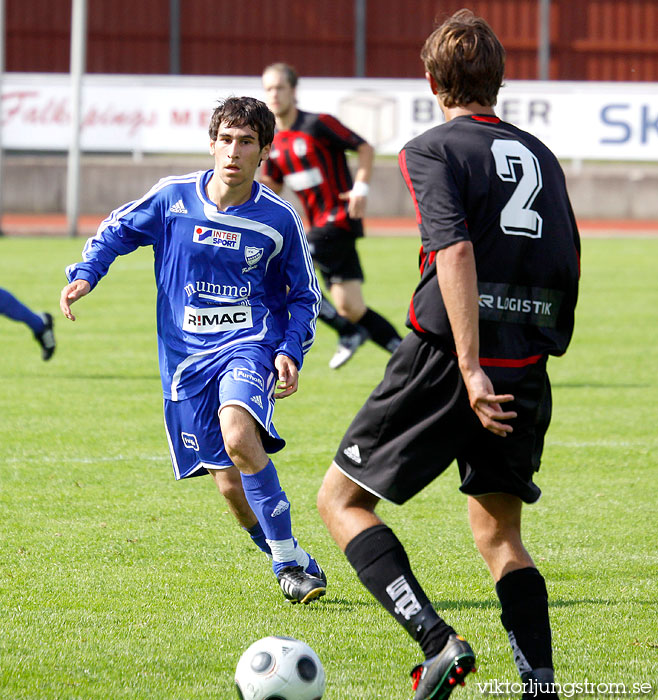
<point>279,668</point>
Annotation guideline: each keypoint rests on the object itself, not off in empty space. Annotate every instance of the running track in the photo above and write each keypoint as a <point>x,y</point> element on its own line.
<point>56,225</point>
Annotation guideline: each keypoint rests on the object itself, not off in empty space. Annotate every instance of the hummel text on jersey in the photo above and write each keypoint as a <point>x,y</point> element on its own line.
<point>218,292</point>
<point>216,318</point>
<point>213,236</point>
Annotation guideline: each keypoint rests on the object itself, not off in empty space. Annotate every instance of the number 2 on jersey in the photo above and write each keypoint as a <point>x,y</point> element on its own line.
<point>513,159</point>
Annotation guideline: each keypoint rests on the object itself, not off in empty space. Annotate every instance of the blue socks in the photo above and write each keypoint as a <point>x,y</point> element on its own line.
<point>16,311</point>
<point>272,508</point>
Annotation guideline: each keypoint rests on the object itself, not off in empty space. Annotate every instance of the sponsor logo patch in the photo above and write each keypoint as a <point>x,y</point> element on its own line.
<point>190,441</point>
<point>246,375</point>
<point>252,257</point>
<point>217,238</point>
<point>213,319</point>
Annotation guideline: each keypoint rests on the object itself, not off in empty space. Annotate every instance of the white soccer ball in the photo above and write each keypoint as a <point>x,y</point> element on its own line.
<point>279,668</point>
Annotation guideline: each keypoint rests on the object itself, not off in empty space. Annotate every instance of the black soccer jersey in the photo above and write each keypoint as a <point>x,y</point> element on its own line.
<point>310,158</point>
<point>476,178</point>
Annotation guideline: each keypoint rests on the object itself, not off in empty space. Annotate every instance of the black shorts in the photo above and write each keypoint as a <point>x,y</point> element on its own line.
<point>418,420</point>
<point>334,253</point>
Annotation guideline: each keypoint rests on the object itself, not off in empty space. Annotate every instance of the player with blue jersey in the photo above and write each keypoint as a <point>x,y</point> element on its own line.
<point>237,302</point>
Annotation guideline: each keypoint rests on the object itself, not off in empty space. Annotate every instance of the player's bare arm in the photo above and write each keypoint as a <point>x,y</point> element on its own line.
<point>358,195</point>
<point>457,278</point>
<point>72,292</point>
<point>288,376</point>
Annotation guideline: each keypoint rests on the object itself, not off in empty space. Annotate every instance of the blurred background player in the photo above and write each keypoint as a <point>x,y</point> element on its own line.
<point>41,324</point>
<point>236,311</point>
<point>499,282</point>
<point>308,155</point>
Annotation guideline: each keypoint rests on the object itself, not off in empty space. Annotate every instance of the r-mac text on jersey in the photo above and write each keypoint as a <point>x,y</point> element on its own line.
<point>216,318</point>
<point>491,301</point>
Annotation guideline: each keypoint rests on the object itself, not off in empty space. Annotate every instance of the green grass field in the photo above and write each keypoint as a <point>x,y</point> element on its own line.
<point>118,582</point>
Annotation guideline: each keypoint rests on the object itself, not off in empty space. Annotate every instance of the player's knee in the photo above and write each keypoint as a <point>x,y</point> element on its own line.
<point>351,310</point>
<point>496,535</point>
<point>231,488</point>
<point>338,494</point>
<point>238,444</point>
<point>329,500</point>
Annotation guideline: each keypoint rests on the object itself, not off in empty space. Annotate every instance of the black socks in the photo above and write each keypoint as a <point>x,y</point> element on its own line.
<point>380,330</point>
<point>524,603</point>
<point>382,565</point>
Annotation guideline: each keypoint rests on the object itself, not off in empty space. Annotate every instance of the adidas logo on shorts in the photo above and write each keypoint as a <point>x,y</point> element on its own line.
<point>352,452</point>
<point>281,507</point>
<point>257,400</point>
<point>178,208</point>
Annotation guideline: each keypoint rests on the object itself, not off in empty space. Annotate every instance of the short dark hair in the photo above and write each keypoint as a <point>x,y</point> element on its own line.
<point>244,111</point>
<point>287,70</point>
<point>466,59</point>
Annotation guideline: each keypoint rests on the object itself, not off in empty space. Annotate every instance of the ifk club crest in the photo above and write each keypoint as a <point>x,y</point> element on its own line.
<point>252,257</point>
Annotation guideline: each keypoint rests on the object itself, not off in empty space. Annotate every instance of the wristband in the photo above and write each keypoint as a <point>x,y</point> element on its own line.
<point>360,189</point>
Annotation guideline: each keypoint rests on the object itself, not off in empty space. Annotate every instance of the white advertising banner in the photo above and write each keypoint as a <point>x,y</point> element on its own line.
<point>162,114</point>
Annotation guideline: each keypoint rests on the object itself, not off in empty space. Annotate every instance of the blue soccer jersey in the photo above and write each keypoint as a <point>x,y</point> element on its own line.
<point>240,277</point>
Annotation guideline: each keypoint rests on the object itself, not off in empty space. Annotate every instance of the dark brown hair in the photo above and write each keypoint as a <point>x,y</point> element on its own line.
<point>244,111</point>
<point>466,59</point>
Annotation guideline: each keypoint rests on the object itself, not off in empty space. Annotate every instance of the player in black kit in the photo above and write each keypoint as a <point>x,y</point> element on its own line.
<point>308,154</point>
<point>499,279</point>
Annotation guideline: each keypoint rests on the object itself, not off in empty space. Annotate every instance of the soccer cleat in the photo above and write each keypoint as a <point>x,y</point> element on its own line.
<point>437,677</point>
<point>347,346</point>
<point>300,587</point>
<point>46,338</point>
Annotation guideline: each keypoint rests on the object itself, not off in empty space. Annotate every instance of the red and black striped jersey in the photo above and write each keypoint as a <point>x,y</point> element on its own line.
<point>310,158</point>
<point>476,178</point>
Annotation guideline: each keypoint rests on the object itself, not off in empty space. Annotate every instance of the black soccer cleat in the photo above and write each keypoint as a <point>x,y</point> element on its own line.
<point>437,677</point>
<point>300,587</point>
<point>46,338</point>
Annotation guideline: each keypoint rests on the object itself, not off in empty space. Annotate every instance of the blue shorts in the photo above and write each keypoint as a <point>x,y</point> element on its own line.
<point>192,426</point>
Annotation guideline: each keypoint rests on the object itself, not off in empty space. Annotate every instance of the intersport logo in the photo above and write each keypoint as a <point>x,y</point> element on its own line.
<point>213,236</point>
<point>213,319</point>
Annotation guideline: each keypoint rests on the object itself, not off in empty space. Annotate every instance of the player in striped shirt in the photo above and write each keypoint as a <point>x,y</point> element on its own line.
<point>308,155</point>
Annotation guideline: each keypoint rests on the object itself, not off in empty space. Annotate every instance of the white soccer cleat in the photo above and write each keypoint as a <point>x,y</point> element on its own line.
<point>347,346</point>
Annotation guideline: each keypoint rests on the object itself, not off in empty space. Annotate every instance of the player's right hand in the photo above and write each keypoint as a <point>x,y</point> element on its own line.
<point>487,404</point>
<point>72,292</point>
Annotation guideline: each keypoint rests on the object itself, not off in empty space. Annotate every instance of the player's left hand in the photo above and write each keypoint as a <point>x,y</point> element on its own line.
<point>357,204</point>
<point>288,376</point>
